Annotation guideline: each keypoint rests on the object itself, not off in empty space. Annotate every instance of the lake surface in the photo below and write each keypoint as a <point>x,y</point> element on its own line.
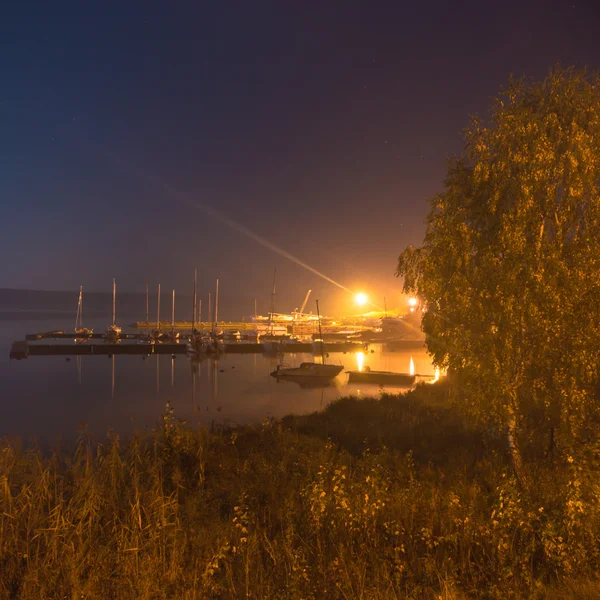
<point>47,397</point>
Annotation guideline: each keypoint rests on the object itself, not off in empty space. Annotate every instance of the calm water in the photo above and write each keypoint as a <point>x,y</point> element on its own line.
<point>47,397</point>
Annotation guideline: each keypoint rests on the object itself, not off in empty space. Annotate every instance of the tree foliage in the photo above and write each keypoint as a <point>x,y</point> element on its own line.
<point>509,271</point>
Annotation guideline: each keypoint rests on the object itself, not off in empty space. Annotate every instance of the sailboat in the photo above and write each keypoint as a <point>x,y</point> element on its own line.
<point>275,336</point>
<point>309,370</point>
<point>197,344</point>
<point>173,335</point>
<point>80,330</point>
<point>114,331</point>
<point>156,332</point>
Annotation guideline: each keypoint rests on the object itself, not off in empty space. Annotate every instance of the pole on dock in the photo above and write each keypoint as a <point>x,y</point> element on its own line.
<point>255,313</point>
<point>194,305</point>
<point>147,316</point>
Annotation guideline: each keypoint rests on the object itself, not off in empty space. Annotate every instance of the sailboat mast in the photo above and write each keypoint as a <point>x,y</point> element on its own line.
<point>209,309</point>
<point>255,313</point>
<point>147,318</point>
<point>200,312</point>
<point>272,303</point>
<point>217,304</point>
<point>81,306</point>
<point>194,304</point>
<point>321,335</point>
<point>158,309</point>
<point>78,310</point>
<point>173,313</point>
<point>114,302</point>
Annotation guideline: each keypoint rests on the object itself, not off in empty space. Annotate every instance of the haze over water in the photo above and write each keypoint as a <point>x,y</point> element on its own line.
<point>48,397</point>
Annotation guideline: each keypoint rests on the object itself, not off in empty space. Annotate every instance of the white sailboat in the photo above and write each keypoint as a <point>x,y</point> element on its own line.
<point>114,331</point>
<point>199,343</point>
<point>173,335</point>
<point>156,332</point>
<point>275,335</point>
<point>80,330</point>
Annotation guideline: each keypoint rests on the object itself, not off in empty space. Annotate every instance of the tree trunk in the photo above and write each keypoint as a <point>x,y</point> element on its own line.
<point>551,443</point>
<point>515,453</point>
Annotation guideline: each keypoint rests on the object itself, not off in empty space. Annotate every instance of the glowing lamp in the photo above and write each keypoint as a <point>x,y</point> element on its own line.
<point>412,302</point>
<point>361,298</point>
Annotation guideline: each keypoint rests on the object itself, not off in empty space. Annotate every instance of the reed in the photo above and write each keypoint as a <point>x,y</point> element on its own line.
<point>396,497</point>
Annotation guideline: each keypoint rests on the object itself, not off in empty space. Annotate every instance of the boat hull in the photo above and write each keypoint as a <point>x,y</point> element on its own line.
<point>309,371</point>
<point>381,378</point>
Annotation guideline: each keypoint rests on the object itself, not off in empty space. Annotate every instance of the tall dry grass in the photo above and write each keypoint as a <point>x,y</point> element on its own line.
<point>390,498</point>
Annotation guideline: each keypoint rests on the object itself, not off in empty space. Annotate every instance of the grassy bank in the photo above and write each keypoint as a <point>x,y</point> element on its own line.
<point>396,497</point>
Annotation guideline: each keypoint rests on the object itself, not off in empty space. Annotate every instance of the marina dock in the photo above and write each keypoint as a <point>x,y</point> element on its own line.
<point>61,335</point>
<point>85,347</point>
<point>21,350</point>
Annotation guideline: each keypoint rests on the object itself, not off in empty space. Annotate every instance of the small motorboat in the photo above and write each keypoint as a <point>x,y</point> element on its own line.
<point>308,382</point>
<point>231,336</point>
<point>381,377</point>
<point>308,370</point>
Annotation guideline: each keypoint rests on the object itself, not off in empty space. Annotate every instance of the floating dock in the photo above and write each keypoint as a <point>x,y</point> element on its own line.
<point>24,349</point>
<point>21,350</point>
<point>61,335</point>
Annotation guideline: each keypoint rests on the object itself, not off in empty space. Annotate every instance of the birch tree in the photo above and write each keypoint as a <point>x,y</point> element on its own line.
<point>509,271</point>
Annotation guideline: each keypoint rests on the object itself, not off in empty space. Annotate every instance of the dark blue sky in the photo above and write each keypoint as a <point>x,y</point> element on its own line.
<point>321,126</point>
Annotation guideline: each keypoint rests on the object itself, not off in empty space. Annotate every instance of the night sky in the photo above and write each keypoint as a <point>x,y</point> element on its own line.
<point>323,127</point>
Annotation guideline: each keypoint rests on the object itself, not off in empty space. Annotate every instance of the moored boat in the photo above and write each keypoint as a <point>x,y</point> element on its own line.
<point>114,331</point>
<point>308,370</point>
<point>80,330</point>
<point>381,377</point>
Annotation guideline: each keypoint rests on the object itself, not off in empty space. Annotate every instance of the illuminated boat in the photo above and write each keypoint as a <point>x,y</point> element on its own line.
<point>80,330</point>
<point>114,331</point>
<point>172,336</point>
<point>205,344</point>
<point>232,335</point>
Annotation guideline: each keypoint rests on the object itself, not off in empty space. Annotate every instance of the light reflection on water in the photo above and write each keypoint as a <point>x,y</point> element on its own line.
<point>46,397</point>
<point>360,361</point>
